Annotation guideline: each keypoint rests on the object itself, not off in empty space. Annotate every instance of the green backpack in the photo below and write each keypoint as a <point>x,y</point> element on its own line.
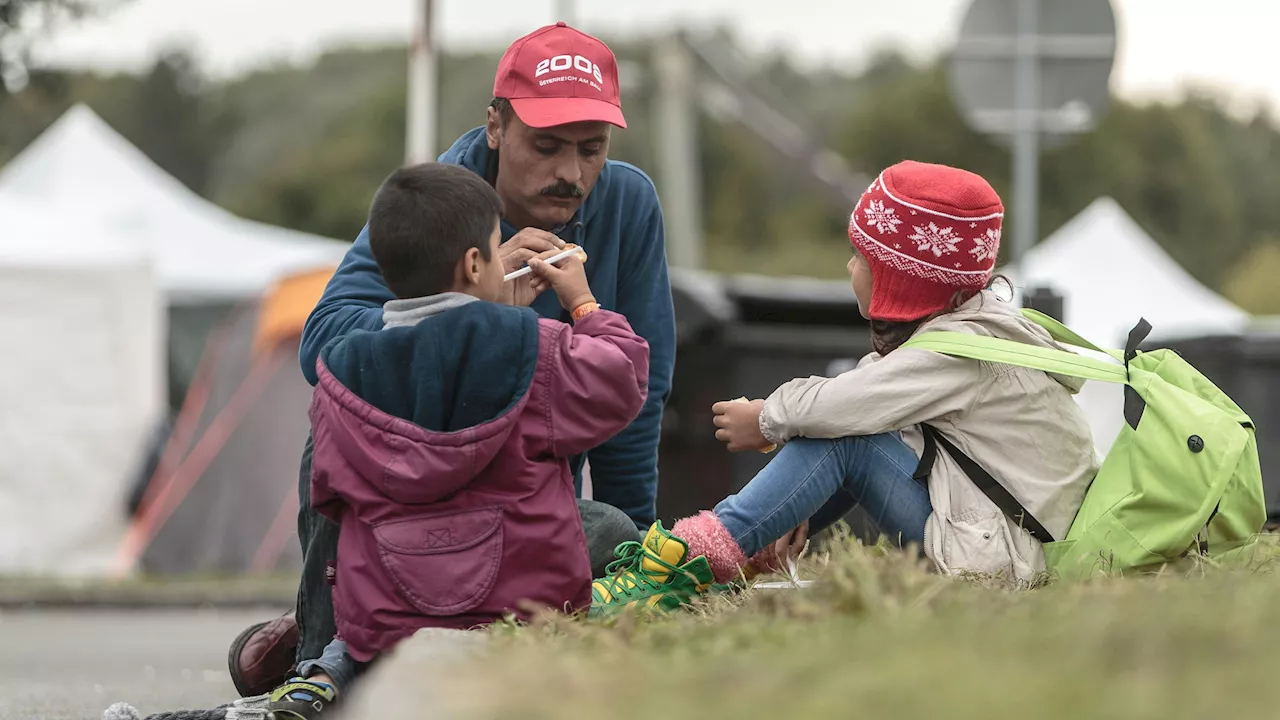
<point>1182,476</point>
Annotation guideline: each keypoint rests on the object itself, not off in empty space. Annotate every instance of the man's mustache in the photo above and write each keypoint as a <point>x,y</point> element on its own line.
<point>564,190</point>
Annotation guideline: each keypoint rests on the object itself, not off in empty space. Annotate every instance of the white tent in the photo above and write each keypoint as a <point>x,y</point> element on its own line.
<point>95,242</point>
<point>80,384</point>
<point>1111,273</point>
<point>201,252</point>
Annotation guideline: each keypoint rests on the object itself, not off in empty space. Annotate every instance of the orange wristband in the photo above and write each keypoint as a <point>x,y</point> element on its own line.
<point>584,310</point>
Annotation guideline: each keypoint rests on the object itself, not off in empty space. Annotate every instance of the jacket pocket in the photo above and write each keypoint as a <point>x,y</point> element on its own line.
<point>444,563</point>
<point>977,544</point>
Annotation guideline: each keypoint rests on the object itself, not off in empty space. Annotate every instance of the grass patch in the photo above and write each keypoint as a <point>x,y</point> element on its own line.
<point>880,636</point>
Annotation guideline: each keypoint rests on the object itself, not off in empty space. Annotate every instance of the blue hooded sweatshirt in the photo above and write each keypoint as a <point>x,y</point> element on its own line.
<point>620,227</point>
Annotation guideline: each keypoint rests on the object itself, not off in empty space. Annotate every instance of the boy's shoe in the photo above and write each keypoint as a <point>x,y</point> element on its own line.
<point>650,576</point>
<point>301,699</point>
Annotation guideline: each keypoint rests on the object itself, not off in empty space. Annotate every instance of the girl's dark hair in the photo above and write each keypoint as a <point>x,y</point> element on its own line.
<point>888,335</point>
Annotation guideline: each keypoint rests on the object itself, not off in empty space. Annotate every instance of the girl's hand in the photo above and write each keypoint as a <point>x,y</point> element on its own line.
<point>783,554</point>
<point>739,425</point>
<point>790,547</point>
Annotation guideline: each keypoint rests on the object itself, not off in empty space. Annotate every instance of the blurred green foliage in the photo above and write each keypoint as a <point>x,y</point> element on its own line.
<point>306,147</point>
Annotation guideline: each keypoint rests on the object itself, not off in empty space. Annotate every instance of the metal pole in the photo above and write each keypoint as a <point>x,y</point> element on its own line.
<point>565,11</point>
<point>1026,139</point>
<point>420,132</point>
<point>676,147</point>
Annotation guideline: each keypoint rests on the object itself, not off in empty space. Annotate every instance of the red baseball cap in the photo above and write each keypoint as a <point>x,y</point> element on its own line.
<point>557,75</point>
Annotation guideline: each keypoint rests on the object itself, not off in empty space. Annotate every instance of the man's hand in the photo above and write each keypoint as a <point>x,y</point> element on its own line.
<point>515,253</point>
<point>739,425</point>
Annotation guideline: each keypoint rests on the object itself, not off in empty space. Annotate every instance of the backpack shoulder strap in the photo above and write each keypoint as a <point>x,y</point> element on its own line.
<point>1009,352</point>
<point>1064,334</point>
<point>989,486</point>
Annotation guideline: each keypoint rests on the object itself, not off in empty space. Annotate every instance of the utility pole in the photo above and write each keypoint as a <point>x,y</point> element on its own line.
<point>1026,137</point>
<point>420,132</point>
<point>676,123</point>
<point>1059,55</point>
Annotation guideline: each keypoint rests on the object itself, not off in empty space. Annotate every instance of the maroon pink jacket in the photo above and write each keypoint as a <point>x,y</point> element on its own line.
<point>441,449</point>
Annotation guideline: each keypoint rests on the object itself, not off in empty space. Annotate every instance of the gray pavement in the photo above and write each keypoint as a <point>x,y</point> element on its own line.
<point>74,663</point>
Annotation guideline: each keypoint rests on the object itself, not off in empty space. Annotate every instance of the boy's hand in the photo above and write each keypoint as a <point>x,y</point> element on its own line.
<point>515,253</point>
<point>739,425</point>
<point>568,279</point>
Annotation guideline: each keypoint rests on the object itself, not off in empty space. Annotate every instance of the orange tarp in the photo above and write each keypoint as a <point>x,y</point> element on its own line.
<point>286,306</point>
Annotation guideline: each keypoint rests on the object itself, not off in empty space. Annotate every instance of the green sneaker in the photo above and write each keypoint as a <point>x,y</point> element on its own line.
<point>301,699</point>
<point>650,576</point>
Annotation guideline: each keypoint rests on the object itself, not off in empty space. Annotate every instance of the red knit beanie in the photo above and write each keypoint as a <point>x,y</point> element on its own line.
<point>926,231</point>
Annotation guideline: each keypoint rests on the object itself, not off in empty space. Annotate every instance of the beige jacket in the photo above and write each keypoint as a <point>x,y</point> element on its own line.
<point>1021,425</point>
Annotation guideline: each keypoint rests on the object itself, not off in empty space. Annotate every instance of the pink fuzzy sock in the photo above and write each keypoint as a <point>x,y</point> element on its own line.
<point>706,535</point>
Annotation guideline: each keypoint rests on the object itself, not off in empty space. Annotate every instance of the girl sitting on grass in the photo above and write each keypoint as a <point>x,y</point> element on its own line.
<point>925,239</point>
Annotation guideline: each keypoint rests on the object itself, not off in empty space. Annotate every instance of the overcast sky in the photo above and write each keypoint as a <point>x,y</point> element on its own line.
<point>1164,44</point>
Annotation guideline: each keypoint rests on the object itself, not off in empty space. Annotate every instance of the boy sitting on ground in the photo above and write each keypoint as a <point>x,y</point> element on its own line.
<point>442,441</point>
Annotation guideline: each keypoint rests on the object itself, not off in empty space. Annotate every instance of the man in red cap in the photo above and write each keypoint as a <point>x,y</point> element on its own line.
<point>543,147</point>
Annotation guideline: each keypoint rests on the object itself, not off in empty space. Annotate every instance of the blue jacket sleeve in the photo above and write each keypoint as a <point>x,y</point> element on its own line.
<point>624,470</point>
<point>353,300</point>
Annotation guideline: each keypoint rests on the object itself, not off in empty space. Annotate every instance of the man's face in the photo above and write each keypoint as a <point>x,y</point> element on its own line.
<point>544,174</point>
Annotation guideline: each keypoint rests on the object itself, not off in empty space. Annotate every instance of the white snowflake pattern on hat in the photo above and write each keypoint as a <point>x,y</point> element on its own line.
<point>884,219</point>
<point>939,249</point>
<point>937,240</point>
<point>985,245</point>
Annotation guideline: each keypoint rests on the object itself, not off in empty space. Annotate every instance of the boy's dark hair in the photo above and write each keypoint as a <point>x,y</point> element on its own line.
<point>422,222</point>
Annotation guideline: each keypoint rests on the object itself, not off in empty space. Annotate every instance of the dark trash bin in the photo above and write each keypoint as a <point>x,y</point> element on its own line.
<point>1247,368</point>
<point>1046,300</point>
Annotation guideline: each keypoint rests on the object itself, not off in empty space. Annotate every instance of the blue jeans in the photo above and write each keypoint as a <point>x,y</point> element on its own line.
<point>821,481</point>
<point>334,662</point>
